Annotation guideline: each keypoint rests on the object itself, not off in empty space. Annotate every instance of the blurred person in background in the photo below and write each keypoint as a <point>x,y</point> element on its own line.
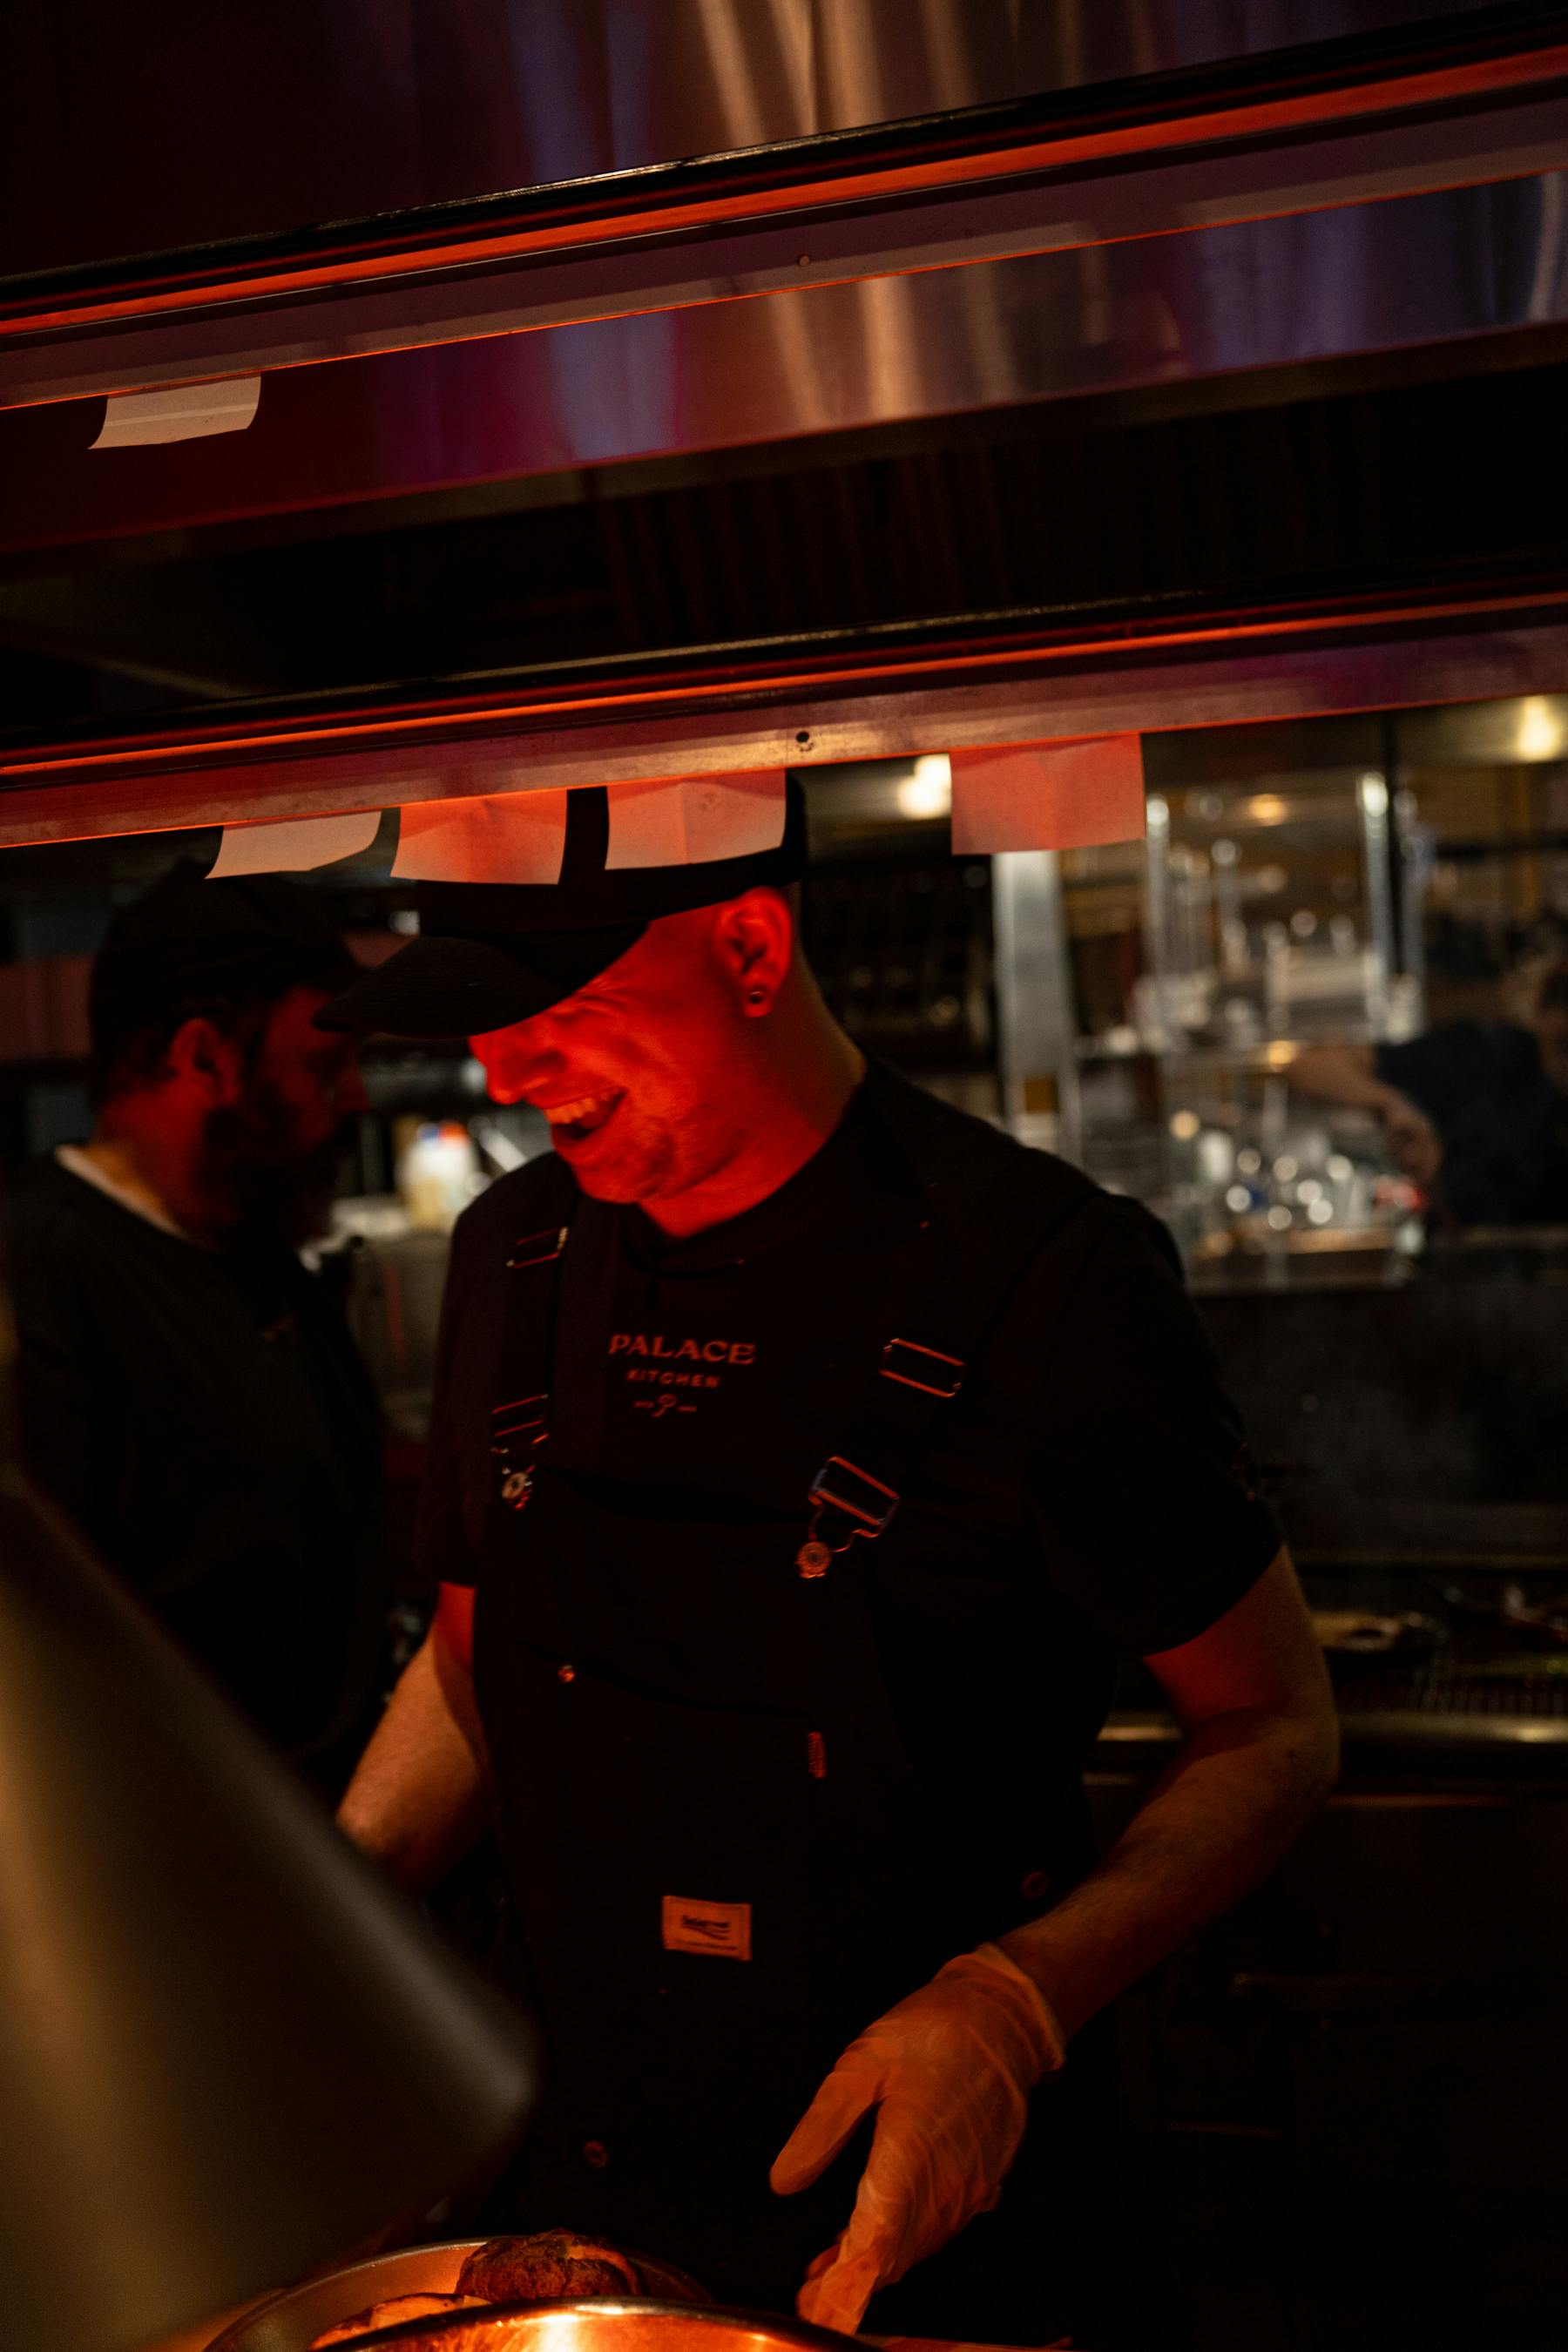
<point>189,1390</point>
<point>1474,1111</point>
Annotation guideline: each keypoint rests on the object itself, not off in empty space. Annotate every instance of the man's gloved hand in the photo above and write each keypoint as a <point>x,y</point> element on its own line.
<point>950,2071</point>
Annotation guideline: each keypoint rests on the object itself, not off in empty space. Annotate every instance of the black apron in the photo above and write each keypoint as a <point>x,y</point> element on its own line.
<point>722,1875</point>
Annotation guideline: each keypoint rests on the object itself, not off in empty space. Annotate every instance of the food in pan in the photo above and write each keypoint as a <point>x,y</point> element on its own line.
<point>397,2308</point>
<point>555,2266</point>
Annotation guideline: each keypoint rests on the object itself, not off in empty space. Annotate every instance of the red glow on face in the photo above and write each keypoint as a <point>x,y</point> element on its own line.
<point>635,1071</point>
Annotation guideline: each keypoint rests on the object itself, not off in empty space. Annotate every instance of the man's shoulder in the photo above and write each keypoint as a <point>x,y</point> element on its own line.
<point>969,1160</point>
<point>530,1200</point>
<point>46,1208</point>
<point>1443,1068</point>
<point>65,1250</point>
<point>997,1189</point>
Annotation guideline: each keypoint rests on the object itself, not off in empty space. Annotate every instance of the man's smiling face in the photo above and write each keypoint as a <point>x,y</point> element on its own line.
<point>634,1070</point>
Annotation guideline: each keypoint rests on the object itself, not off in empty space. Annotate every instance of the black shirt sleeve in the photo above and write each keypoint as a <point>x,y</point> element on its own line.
<point>1141,1484</point>
<point>1420,1068</point>
<point>61,1370</point>
<point>1446,1069</point>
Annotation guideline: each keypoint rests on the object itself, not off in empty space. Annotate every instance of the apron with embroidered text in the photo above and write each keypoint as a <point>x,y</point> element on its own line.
<point>724,1859</point>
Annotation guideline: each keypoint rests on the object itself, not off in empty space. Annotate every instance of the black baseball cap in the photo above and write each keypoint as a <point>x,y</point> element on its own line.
<point>490,953</point>
<point>191,945</point>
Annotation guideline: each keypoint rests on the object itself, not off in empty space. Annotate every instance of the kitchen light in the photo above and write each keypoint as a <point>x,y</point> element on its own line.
<point>1542,732</point>
<point>927,791</point>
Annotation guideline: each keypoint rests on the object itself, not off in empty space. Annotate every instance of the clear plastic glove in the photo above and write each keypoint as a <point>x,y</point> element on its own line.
<point>950,2071</point>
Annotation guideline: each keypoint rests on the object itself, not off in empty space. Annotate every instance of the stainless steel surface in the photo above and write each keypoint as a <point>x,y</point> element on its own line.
<point>387,107</point>
<point>1372,804</point>
<point>1520,729</point>
<point>632,2326</point>
<point>639,275</point>
<point>228,2046</point>
<point>1129,1730</point>
<point>292,2320</point>
<point>1152,159</point>
<point>1267,293</point>
<point>896,706</point>
<point>1035,1013</point>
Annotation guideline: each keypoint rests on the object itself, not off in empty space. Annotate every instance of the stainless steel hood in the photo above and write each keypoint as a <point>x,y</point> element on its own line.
<point>206,125</point>
<point>1333,124</point>
<point>1460,264</point>
<point>1474,101</point>
<point>947,212</point>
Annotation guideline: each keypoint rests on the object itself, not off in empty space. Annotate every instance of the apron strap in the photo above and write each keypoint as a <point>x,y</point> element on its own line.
<point>976,1242</point>
<point>519,1419</point>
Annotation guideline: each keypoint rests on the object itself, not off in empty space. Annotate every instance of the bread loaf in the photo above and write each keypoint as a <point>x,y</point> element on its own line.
<point>555,2266</point>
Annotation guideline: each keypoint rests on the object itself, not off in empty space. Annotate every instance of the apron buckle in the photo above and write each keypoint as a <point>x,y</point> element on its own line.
<point>518,1428</point>
<point>864,1504</point>
<point>536,1249</point>
<point>926,1368</point>
<point>813,1558</point>
<point>524,1417</point>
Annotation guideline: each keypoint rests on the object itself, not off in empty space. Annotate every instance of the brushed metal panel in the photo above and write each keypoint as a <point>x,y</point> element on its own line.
<point>1069,186</point>
<point>212,122</point>
<point>1419,270</point>
<point>901,715</point>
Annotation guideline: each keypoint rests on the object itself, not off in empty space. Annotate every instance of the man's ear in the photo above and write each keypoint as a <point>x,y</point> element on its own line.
<point>753,940</point>
<point>202,1058</point>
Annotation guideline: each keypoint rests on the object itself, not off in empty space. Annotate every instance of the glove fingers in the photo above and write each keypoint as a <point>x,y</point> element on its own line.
<point>825,2261</point>
<point>870,2253</point>
<point>838,2297</point>
<point>825,2129</point>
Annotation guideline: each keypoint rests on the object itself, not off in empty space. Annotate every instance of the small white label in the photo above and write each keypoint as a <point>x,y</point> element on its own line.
<point>178,412</point>
<point>693,819</point>
<point>722,1927</point>
<point>486,837</point>
<point>293,844</point>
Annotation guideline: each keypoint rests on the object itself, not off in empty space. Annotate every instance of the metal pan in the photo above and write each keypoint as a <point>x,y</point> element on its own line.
<point>292,2320</point>
<point>635,2327</point>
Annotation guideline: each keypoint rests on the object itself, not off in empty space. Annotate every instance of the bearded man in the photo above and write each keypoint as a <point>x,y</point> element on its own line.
<point>189,1391</point>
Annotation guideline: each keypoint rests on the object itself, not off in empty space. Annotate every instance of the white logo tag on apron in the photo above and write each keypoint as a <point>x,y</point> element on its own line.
<point>722,1927</point>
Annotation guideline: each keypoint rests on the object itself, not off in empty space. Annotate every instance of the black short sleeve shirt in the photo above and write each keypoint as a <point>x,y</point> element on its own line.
<point>1504,1126</point>
<point>203,1415</point>
<point>1087,1494</point>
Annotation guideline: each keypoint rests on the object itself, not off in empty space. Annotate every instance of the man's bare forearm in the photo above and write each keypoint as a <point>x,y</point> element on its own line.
<point>421,1793</point>
<point>1218,1820</point>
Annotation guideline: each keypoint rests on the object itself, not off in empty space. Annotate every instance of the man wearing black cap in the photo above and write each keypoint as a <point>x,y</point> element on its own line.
<point>809,1450</point>
<point>189,1392</point>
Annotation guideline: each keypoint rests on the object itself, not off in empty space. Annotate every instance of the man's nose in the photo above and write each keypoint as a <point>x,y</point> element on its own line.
<point>527,1055</point>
